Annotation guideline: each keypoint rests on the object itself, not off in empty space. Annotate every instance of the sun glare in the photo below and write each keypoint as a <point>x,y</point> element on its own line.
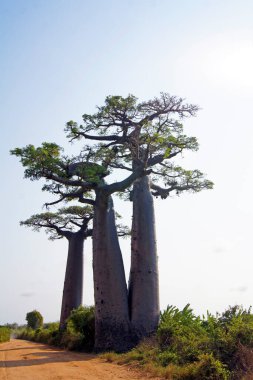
<point>231,64</point>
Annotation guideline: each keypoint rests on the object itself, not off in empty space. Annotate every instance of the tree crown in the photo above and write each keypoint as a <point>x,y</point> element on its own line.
<point>142,138</point>
<point>34,319</point>
<point>63,223</point>
<point>151,133</point>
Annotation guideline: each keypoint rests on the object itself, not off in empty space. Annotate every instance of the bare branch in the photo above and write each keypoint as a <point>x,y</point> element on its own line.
<point>124,184</point>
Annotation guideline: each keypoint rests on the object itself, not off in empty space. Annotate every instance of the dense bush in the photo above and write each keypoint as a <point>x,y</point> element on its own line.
<point>226,339</point>
<point>189,347</point>
<point>78,335</point>
<point>5,333</point>
<point>80,331</point>
<point>83,320</point>
<point>181,336</point>
<point>34,319</point>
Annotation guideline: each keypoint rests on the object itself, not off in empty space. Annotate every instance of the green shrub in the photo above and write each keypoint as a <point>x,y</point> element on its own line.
<point>228,333</point>
<point>182,334</point>
<point>34,319</point>
<point>210,368</point>
<point>164,358</point>
<point>72,341</point>
<point>26,333</point>
<point>80,332</point>
<point>82,320</point>
<point>5,334</point>
<point>189,347</point>
<point>206,368</point>
<point>49,334</point>
<point>233,312</point>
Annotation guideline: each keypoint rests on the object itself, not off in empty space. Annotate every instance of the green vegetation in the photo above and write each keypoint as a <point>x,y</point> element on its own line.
<point>5,333</point>
<point>185,346</point>
<point>47,334</point>
<point>34,319</point>
<point>80,332</point>
<point>189,347</point>
<point>78,335</point>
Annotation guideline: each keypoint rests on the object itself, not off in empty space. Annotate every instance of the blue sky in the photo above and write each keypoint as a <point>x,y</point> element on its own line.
<point>59,59</point>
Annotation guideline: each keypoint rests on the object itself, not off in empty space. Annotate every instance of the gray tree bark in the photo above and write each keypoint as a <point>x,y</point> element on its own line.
<point>143,280</point>
<point>112,324</point>
<point>73,283</point>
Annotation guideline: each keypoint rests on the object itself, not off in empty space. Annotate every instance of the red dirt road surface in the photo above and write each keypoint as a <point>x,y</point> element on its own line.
<point>23,360</point>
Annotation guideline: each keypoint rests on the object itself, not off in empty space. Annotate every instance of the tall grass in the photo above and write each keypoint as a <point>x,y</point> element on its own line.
<point>5,334</point>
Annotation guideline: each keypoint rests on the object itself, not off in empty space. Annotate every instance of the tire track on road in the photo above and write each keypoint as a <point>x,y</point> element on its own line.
<point>3,371</point>
<point>23,360</point>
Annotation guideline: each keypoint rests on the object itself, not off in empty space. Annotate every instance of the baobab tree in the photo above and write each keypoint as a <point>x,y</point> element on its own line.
<point>73,178</point>
<point>142,139</point>
<point>71,223</point>
<point>148,134</point>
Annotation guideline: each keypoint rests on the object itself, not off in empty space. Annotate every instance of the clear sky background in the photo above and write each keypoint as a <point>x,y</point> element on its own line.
<point>59,59</point>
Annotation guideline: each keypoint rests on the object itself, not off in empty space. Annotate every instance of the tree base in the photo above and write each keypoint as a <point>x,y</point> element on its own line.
<point>113,335</point>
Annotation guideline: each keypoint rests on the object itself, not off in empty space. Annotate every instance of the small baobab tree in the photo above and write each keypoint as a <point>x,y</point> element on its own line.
<point>72,223</point>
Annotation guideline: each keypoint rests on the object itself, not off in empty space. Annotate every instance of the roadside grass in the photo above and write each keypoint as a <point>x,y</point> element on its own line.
<point>5,334</point>
<point>185,346</point>
<point>78,335</point>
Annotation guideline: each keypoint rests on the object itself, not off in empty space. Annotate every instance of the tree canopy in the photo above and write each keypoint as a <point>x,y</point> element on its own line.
<point>34,319</point>
<point>148,134</point>
<point>59,224</point>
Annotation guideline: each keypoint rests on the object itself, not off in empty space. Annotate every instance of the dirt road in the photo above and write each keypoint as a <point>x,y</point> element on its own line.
<point>23,360</point>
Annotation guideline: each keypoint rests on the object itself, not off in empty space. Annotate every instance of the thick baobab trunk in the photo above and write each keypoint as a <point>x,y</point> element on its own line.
<point>73,283</point>
<point>112,325</point>
<point>143,281</point>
